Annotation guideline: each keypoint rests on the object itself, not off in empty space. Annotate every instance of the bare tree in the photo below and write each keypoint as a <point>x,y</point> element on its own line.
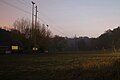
<point>39,35</point>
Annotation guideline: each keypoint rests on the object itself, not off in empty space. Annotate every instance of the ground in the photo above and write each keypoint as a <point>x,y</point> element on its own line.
<point>93,65</point>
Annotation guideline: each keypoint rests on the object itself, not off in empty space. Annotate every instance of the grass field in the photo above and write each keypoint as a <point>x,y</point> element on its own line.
<point>61,66</point>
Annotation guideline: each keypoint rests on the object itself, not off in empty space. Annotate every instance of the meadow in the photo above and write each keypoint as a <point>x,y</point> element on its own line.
<point>91,65</point>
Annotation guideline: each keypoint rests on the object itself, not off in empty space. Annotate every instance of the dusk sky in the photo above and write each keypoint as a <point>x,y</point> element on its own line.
<point>66,17</point>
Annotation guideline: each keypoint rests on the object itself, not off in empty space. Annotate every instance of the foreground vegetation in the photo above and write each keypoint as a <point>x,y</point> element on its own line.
<point>61,66</point>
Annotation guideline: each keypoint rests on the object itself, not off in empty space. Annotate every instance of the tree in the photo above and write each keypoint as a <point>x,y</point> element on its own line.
<point>39,35</point>
<point>110,39</point>
<point>60,43</point>
<point>22,25</point>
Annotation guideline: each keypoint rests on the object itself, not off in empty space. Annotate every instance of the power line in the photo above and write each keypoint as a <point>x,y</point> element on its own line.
<point>11,5</point>
<point>27,2</point>
<point>49,18</point>
<point>53,27</point>
<point>15,7</point>
<point>24,3</point>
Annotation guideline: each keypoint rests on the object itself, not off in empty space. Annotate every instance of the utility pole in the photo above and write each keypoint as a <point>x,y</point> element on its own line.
<point>35,37</point>
<point>36,17</point>
<point>33,14</point>
<point>33,28</point>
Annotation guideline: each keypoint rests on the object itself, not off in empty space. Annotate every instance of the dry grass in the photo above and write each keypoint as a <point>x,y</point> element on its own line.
<point>60,67</point>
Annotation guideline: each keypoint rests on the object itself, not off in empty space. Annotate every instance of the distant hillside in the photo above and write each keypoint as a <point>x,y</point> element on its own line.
<point>110,39</point>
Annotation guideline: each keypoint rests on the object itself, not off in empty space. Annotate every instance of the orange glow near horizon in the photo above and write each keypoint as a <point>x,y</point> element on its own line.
<point>81,17</point>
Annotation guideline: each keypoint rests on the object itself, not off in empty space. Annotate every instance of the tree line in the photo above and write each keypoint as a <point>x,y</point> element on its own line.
<point>109,40</point>
<point>27,36</point>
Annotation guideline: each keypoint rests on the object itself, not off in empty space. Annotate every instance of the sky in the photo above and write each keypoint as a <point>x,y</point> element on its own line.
<point>66,17</point>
